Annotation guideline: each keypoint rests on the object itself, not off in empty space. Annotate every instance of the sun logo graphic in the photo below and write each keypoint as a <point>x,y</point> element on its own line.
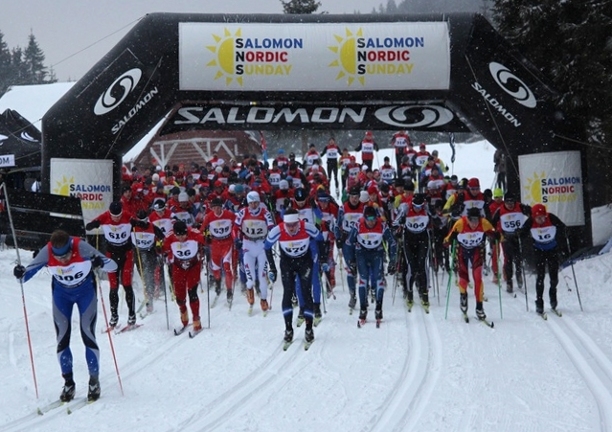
<point>534,188</point>
<point>225,52</point>
<point>346,50</point>
<point>63,187</point>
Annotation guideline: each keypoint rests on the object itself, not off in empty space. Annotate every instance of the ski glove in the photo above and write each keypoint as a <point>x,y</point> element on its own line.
<point>97,262</point>
<point>19,271</point>
<point>92,225</point>
<point>272,276</point>
<point>325,267</point>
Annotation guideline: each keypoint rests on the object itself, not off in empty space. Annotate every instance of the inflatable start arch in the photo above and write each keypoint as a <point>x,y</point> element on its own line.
<point>449,72</point>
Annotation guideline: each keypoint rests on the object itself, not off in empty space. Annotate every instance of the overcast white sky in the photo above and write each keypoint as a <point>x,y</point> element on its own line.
<point>64,28</point>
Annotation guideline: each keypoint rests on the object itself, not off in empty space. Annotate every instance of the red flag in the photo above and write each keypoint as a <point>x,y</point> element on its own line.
<point>262,140</point>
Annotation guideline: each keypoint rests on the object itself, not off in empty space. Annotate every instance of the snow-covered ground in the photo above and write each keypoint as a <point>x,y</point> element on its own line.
<point>417,372</point>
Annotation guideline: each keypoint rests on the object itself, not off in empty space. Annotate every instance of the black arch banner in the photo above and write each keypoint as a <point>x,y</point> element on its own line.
<point>449,72</point>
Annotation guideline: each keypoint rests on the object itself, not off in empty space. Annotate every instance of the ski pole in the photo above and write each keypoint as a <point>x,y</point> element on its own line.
<point>322,295</point>
<point>341,265</point>
<point>573,273</point>
<point>163,281</point>
<point>501,312</point>
<point>142,278</point>
<point>207,294</point>
<point>524,274</point>
<point>450,278</point>
<point>110,338</point>
<point>23,302</point>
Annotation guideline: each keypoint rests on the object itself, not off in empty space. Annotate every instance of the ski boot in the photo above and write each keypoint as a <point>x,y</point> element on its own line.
<point>378,314</point>
<point>464,303</point>
<point>230,295</point>
<point>509,288</point>
<point>480,314</point>
<point>288,338</point>
<point>69,388</point>
<point>309,335</point>
<point>93,394</point>
<point>218,286</point>
<point>184,319</point>
<point>352,300</point>
<point>300,318</point>
<point>425,301</point>
<point>114,320</point>
<point>317,310</point>
<point>363,314</point>
<point>197,325</point>
<point>132,320</point>
<point>553,298</point>
<point>539,303</point>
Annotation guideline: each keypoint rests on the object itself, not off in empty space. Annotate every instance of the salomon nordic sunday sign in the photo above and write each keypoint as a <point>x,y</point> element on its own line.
<point>289,56</point>
<point>555,180</point>
<point>91,180</point>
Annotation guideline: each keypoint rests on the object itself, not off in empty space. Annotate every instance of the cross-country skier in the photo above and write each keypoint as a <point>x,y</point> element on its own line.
<point>299,249</point>
<point>414,220</point>
<point>218,224</point>
<point>545,228</point>
<point>508,219</point>
<point>71,263</point>
<point>365,245</point>
<point>469,233</point>
<point>184,250</point>
<point>116,226</point>
<point>251,227</point>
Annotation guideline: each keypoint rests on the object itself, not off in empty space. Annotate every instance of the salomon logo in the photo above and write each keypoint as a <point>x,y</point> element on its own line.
<point>502,76</point>
<point>26,136</point>
<point>107,102</point>
<point>412,116</point>
<point>2,138</point>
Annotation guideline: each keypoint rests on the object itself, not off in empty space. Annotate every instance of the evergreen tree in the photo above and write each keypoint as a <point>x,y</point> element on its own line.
<point>5,65</point>
<point>18,69</point>
<point>294,7</point>
<point>34,62</point>
<point>570,42</point>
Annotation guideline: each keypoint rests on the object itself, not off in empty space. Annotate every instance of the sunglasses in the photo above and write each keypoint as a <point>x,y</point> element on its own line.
<point>371,218</point>
<point>63,257</point>
<point>474,219</point>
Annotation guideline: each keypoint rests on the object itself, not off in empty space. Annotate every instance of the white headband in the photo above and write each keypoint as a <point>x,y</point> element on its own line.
<point>291,218</point>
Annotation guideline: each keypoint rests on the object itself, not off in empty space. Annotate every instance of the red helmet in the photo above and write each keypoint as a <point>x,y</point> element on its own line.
<point>473,183</point>
<point>368,134</point>
<point>538,210</point>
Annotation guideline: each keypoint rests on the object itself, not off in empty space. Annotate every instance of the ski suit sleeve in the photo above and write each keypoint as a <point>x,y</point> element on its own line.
<point>87,251</point>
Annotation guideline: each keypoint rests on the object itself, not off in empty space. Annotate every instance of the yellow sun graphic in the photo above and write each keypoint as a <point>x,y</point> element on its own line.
<point>534,188</point>
<point>347,57</point>
<point>225,54</point>
<point>63,187</point>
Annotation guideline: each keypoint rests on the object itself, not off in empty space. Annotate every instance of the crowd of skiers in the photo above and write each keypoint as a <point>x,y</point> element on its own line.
<point>226,218</point>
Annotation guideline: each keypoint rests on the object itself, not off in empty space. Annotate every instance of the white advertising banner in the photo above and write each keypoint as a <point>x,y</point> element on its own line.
<point>314,56</point>
<point>88,179</point>
<point>555,180</point>
<point>7,161</point>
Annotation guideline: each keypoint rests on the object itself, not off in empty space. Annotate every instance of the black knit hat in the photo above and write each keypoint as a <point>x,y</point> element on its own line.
<point>115,208</point>
<point>180,228</point>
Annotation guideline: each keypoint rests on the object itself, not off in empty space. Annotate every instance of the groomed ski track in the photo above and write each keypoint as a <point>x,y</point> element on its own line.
<point>400,377</point>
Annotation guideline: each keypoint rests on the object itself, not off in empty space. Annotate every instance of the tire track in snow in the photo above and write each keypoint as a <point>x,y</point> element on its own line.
<point>594,366</point>
<point>407,401</point>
